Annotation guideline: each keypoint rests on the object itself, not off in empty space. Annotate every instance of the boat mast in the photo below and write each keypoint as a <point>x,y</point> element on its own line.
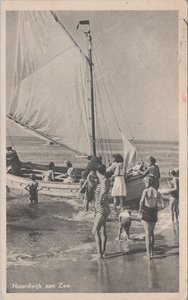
<point>93,139</point>
<point>91,99</point>
<point>90,62</point>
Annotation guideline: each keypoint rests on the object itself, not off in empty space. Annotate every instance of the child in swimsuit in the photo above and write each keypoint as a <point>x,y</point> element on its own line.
<point>32,188</point>
<point>88,189</point>
<point>125,223</point>
<point>149,207</point>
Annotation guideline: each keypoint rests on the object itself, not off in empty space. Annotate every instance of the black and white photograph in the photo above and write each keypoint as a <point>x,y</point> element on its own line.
<point>93,130</point>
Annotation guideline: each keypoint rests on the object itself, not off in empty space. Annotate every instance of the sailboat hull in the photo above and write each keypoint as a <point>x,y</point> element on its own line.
<point>67,190</point>
<point>135,186</point>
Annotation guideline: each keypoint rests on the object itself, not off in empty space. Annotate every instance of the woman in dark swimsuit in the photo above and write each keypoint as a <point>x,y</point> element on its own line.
<point>102,211</point>
<point>149,208</point>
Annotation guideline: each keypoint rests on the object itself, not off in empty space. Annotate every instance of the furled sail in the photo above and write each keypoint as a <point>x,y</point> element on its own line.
<point>50,85</point>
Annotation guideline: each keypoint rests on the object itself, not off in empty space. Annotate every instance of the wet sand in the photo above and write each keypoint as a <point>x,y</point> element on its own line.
<point>51,249</point>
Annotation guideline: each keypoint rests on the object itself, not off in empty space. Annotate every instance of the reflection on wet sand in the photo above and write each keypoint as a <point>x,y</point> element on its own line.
<point>103,274</point>
<point>152,275</point>
<point>175,230</point>
<point>56,237</point>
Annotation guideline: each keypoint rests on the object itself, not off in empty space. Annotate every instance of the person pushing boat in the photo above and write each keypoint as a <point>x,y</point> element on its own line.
<point>153,171</point>
<point>119,190</point>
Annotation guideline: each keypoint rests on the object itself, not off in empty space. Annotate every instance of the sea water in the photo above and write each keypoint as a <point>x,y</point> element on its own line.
<point>50,248</point>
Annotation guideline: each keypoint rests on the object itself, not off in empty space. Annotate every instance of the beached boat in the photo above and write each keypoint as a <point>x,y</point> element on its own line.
<point>55,97</point>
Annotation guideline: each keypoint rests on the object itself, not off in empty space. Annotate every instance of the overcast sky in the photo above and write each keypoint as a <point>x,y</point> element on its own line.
<point>138,54</point>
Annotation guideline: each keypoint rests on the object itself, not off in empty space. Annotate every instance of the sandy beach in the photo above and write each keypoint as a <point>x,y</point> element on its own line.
<point>51,249</point>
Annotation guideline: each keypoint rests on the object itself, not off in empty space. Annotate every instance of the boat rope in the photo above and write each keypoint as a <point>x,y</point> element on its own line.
<point>10,137</point>
<point>99,133</point>
<point>115,94</point>
<point>43,65</point>
<point>58,54</point>
<point>72,39</point>
<point>108,98</point>
<point>108,145</point>
<point>100,143</point>
<point>44,135</point>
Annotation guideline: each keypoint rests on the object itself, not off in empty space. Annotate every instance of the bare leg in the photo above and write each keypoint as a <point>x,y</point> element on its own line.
<point>176,211</point>
<point>98,244</point>
<point>104,238</point>
<point>119,233</point>
<point>115,202</point>
<point>121,198</point>
<point>152,237</point>
<point>86,205</point>
<point>146,228</point>
<point>127,231</point>
<point>36,201</point>
<point>172,208</point>
<point>99,219</point>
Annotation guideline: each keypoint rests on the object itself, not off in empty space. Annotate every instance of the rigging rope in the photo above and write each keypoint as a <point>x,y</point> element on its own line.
<point>61,52</point>
<point>72,39</point>
<point>112,86</point>
<point>107,92</point>
<point>108,147</point>
<point>45,136</point>
<point>10,137</point>
<point>58,54</point>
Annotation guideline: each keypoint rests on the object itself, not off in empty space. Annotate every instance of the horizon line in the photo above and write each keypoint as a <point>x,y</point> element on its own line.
<point>131,140</point>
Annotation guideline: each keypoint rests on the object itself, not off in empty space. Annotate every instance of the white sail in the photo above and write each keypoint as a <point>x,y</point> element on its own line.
<point>50,86</point>
<point>129,153</point>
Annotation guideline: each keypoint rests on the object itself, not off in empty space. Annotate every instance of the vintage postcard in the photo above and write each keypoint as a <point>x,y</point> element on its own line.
<point>94,149</point>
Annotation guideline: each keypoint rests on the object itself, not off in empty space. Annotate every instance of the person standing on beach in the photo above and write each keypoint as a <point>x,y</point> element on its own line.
<point>173,195</point>
<point>119,190</point>
<point>102,211</point>
<point>94,162</point>
<point>153,171</point>
<point>32,188</point>
<point>151,202</point>
<point>87,189</point>
<point>13,162</point>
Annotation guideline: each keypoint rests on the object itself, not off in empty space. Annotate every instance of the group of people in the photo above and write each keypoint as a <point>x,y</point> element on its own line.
<point>95,185</point>
<point>150,203</point>
<point>116,171</point>
<point>33,186</point>
<point>14,165</point>
<point>67,177</point>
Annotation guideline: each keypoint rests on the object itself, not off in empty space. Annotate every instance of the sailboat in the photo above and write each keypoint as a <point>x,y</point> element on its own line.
<point>54,98</point>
